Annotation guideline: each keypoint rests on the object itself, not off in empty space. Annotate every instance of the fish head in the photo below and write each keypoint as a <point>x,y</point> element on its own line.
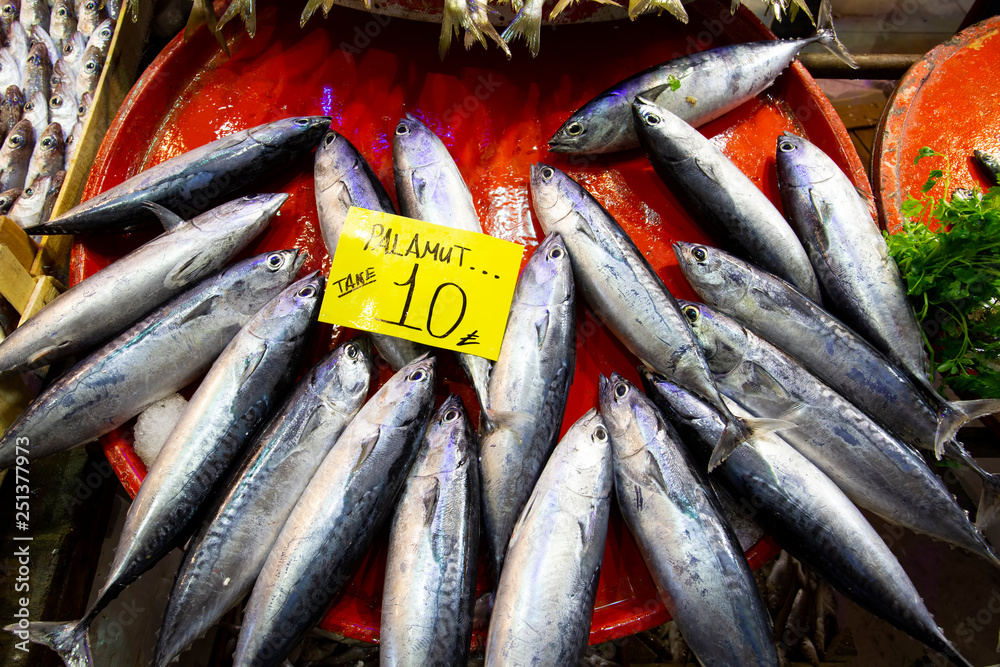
<point>38,56</point>
<point>592,128</point>
<point>13,96</point>
<point>247,215</point>
<point>74,47</point>
<point>554,196</point>
<point>722,340</point>
<point>801,163</point>
<point>631,417</point>
<point>345,375</point>
<point>20,140</point>
<point>414,145</point>
<point>262,277</point>
<point>62,20</point>
<point>336,158</point>
<point>30,203</point>
<point>51,140</point>
<point>303,130</point>
<point>718,277</point>
<point>548,277</point>
<point>10,10</point>
<point>288,316</point>
<point>85,101</point>
<point>93,62</point>
<point>36,110</point>
<point>88,15</point>
<point>682,408</point>
<point>674,138</point>
<point>7,199</point>
<point>587,451</point>
<point>101,37</point>
<point>407,395</point>
<point>447,445</point>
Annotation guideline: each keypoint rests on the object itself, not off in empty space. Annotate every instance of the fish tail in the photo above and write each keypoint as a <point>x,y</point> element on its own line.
<point>827,36</point>
<point>492,33</point>
<point>957,415</point>
<point>447,30</point>
<point>528,25</point>
<point>308,11</point>
<point>740,430</point>
<point>69,640</point>
<point>989,501</point>
<point>940,643</point>
<point>636,7</point>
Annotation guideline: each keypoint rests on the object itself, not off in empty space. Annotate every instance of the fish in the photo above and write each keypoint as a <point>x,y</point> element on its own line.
<point>193,181</point>
<point>430,187</point>
<point>430,571</point>
<point>861,281</point>
<point>247,10</point>
<point>229,404</point>
<point>876,470</point>
<point>473,16</point>
<point>337,516</point>
<point>60,73</point>
<point>55,187</point>
<point>16,154</point>
<point>36,72</point>
<point>10,70</point>
<point>174,344</point>
<point>344,179</point>
<point>559,540</point>
<point>114,9</point>
<point>36,111</point>
<point>808,515</point>
<point>719,79</point>
<point>628,296</point>
<point>783,316</point>
<point>39,36</point>
<point>7,199</point>
<point>83,108</point>
<point>115,297</point>
<point>18,42</point>
<point>63,111</point>
<point>48,156</point>
<point>11,107</point>
<point>699,569</point>
<point>88,16</point>
<point>225,555</point>
<point>528,25</point>
<point>62,22</point>
<point>27,210</point>
<point>527,391</point>
<point>722,195</point>
<point>101,38</point>
<point>10,11</point>
<point>90,72</point>
<point>73,50</point>
<point>34,12</point>
<point>988,164</point>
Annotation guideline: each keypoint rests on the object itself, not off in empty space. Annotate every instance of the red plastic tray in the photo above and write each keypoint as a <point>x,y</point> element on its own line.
<point>495,116</point>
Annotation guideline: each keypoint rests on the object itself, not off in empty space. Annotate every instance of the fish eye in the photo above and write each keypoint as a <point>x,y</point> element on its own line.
<point>29,106</point>
<point>302,122</point>
<point>691,313</point>
<point>555,253</point>
<point>785,146</point>
<point>15,140</point>
<point>700,254</point>
<point>8,9</point>
<point>575,128</point>
<point>416,376</point>
<point>548,172</point>
<point>81,110</point>
<point>55,101</point>
<point>351,351</point>
<point>90,6</point>
<point>106,33</point>
<point>450,416</point>
<point>402,130</point>
<point>601,434</point>
<point>621,389</point>
<point>61,12</point>
<point>274,261</point>
<point>329,138</point>
<point>47,142</point>
<point>307,291</point>
<point>653,119</point>
<point>90,66</point>
<point>29,192</point>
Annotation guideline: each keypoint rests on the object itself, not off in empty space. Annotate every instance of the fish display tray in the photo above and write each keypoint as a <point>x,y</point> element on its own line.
<point>495,116</point>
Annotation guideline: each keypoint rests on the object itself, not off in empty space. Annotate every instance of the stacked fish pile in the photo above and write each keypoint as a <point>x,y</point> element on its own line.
<point>50,63</point>
<point>284,489</point>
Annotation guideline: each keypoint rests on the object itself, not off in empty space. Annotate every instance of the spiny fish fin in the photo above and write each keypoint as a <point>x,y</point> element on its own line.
<point>190,270</point>
<point>430,501</point>
<point>367,446</point>
<point>654,472</point>
<point>957,415</point>
<point>766,301</point>
<point>308,11</point>
<point>206,307</point>
<point>42,355</point>
<point>827,36</point>
<point>802,6</point>
<point>313,421</point>
<point>527,25</point>
<point>69,640</point>
<point>709,171</point>
<point>167,218</point>
<point>541,329</point>
<point>448,30</point>
<point>526,513</point>
<point>251,363</point>
<point>741,431</point>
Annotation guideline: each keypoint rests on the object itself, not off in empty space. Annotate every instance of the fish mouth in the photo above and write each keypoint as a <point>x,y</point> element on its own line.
<point>558,146</point>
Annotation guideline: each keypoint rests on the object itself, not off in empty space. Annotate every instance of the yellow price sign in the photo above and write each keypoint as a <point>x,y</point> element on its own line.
<point>428,283</point>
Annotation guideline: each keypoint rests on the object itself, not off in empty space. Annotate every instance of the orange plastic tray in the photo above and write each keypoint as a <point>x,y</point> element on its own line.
<point>495,116</point>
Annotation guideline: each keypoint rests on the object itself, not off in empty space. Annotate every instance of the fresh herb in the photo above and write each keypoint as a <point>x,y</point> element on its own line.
<point>673,82</point>
<point>949,253</point>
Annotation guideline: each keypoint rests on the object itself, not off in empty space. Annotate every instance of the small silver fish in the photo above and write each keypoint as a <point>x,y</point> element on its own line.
<point>62,22</point>
<point>88,16</point>
<point>37,72</point>
<point>39,36</point>
<point>36,111</point>
<point>55,187</point>
<point>7,199</point>
<point>18,42</point>
<point>73,50</point>
<point>27,210</point>
<point>48,154</point>
<point>63,110</point>
<point>101,37</point>
<point>34,12</point>
<point>11,107</point>
<point>15,155</point>
<point>90,72</point>
<point>10,11</point>
<point>10,70</point>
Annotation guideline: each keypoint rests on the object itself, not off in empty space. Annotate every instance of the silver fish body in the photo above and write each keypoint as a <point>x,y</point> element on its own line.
<point>73,50</point>
<point>10,69</point>
<point>336,517</point>
<point>223,559</point>
<point>62,110</point>
<point>696,562</point>
<point>116,296</point>
<point>16,154</point>
<point>55,187</point>
<point>724,196</point>
<point>101,38</point>
<point>34,12</point>
<point>430,572</point>
<point>62,22</point>
<point>37,72</point>
<point>559,540</point>
<point>88,16</point>
<point>874,468</point>
<point>528,388</point>
<point>852,261</point>
<point>36,111</point>
<point>90,72</point>
<point>48,156</point>
<point>40,36</point>
<point>808,515</point>
<point>154,358</point>
<point>19,42</point>
<point>193,181</point>
<point>344,179</point>
<point>12,106</point>
<point>27,210</point>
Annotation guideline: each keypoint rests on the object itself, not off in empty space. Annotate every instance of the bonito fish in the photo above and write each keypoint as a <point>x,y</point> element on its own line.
<point>223,559</point>
<point>696,562</point>
<point>193,181</point>
<point>430,572</point>
<point>545,597</point>
<point>154,358</point>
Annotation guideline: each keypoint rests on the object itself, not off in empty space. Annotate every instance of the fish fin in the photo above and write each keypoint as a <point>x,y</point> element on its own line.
<point>707,169</point>
<point>69,640</point>
<point>755,381</point>
<point>167,218</point>
<point>194,268</point>
<point>541,328</point>
<point>526,25</point>
<point>956,415</point>
<point>654,94</point>
<point>560,6</point>
<point>740,431</point>
<point>204,308</point>
<point>250,364</point>
<point>734,6</point>
<point>636,7</point>
<point>367,446</point>
<point>802,6</point>
<point>430,502</point>
<point>41,357</point>
<point>827,36</point>
<point>989,502</point>
<point>308,11</point>
<point>203,13</point>
<point>655,474</point>
<point>522,519</point>
<point>448,30</point>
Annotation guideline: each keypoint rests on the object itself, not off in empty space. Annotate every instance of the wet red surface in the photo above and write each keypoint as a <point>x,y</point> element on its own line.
<point>948,101</point>
<point>495,116</point>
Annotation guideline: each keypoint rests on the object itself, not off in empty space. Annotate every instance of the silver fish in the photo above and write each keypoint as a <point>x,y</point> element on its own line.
<point>874,468</point>
<point>27,210</point>
<point>73,50</point>
<point>808,515</point>
<point>48,155</point>
<point>344,179</point>
<point>430,572</point>
<point>83,108</point>
<point>55,187</point>
<point>62,110</point>
<point>7,199</point>
<point>724,197</point>
<point>90,72</point>
<point>336,518</point>
<point>529,384</point>
<point>223,559</point>
<point>73,142</point>
<point>193,181</point>
<point>621,286</point>
<point>852,261</point>
<point>229,404</point>
<point>778,313</point>
<point>39,36</point>
<point>11,107</point>
<point>36,111</point>
<point>696,562</point>
<point>115,297</point>
<point>10,11</point>
<point>114,9</point>
<point>10,69</point>
<point>18,42</point>
<point>15,155</point>
<point>698,88</point>
<point>60,73</point>
<point>62,23</point>
<point>100,39</point>
<point>88,16</point>
<point>154,358</point>
<point>36,73</point>
<point>430,187</point>
<point>559,539</point>
<point>34,12</point>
